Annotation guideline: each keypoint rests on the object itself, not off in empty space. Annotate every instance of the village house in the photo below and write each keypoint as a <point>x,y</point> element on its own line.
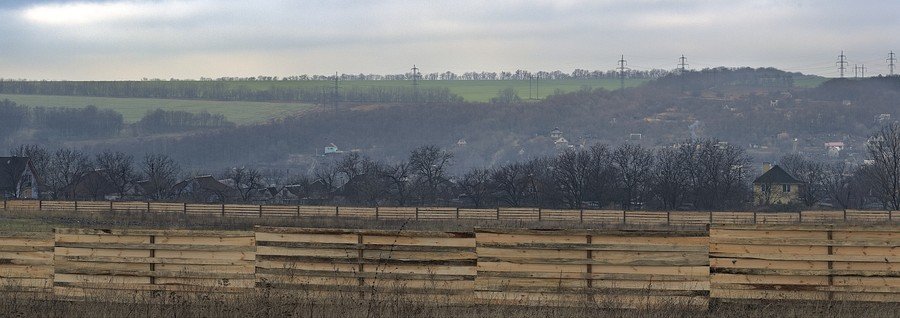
<point>204,189</point>
<point>92,185</point>
<point>776,186</point>
<point>18,179</point>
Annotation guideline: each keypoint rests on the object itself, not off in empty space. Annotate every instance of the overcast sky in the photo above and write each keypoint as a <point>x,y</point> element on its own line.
<point>189,39</point>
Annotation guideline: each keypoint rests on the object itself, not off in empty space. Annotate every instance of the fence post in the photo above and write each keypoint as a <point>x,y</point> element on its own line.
<point>417,213</point>
<point>377,212</point>
<point>40,205</point>
<point>4,205</point>
<point>76,205</point>
<point>260,210</point>
<point>590,266</point>
<point>336,213</point>
<point>581,216</point>
<point>540,218</point>
<point>624,217</point>
<point>754,218</point>
<point>711,218</point>
<point>845,216</point>
<point>298,211</point>
<point>668,218</point>
<point>148,206</point>
<point>800,217</point>
<point>110,206</point>
<point>498,213</point>
<point>457,213</point>
<point>184,207</point>
<point>223,210</point>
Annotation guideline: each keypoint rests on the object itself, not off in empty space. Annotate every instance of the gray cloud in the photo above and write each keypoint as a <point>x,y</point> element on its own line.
<point>193,38</point>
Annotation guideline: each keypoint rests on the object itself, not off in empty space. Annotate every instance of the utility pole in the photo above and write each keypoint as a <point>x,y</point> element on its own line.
<point>622,69</point>
<point>415,76</point>
<point>862,71</point>
<point>335,92</point>
<point>842,63</point>
<point>682,63</point>
<point>891,59</point>
<point>530,84</point>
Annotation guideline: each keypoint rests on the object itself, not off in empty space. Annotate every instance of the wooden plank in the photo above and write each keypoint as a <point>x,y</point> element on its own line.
<point>154,232</point>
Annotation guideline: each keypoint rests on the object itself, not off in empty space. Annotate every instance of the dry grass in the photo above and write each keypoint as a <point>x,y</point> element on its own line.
<point>45,221</point>
<point>347,305</point>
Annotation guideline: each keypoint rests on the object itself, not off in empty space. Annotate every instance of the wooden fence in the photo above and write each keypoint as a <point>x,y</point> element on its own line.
<point>620,268</point>
<point>614,268</point>
<point>26,262</point>
<point>366,261</point>
<point>146,262</point>
<point>857,263</point>
<point>669,218</point>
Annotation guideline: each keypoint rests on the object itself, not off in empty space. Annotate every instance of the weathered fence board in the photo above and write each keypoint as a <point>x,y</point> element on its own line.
<point>613,268</point>
<point>805,262</point>
<point>421,262</point>
<point>26,262</point>
<point>131,262</point>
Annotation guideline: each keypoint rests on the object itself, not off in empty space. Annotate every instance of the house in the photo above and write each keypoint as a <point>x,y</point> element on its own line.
<point>834,148</point>
<point>561,143</point>
<point>461,143</point>
<point>556,134</point>
<point>204,189</point>
<point>18,179</point>
<point>776,186</point>
<point>92,185</point>
<point>332,149</point>
<point>315,192</point>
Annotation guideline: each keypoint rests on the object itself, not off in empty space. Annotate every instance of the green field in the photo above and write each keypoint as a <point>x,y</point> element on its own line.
<point>473,91</point>
<point>132,109</point>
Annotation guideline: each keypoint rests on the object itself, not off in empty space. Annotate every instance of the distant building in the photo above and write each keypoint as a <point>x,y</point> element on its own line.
<point>776,186</point>
<point>18,179</point>
<point>882,119</point>
<point>204,189</point>
<point>635,137</point>
<point>461,143</point>
<point>93,185</point>
<point>834,148</point>
<point>331,149</point>
<point>556,134</point>
<point>561,143</point>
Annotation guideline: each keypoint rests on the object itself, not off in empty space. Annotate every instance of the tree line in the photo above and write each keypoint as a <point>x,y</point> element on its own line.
<point>90,121</point>
<point>699,174</point>
<point>221,90</point>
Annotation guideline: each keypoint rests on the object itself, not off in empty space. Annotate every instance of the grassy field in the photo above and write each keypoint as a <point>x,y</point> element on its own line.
<point>473,91</point>
<point>132,109</point>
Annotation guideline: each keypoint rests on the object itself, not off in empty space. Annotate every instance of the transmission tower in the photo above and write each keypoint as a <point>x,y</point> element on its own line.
<point>891,59</point>
<point>682,63</point>
<point>334,92</point>
<point>415,76</point>
<point>842,63</point>
<point>622,68</point>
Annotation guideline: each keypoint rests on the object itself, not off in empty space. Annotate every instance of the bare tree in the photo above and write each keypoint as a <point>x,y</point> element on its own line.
<point>513,183</point>
<point>398,176</point>
<point>811,173</point>
<point>161,173</point>
<point>633,166</point>
<point>477,186</point>
<point>118,169</point>
<point>39,157</point>
<point>429,165</point>
<point>66,170</point>
<point>671,181</point>
<point>571,174</point>
<point>246,180</point>
<point>838,183</point>
<point>884,149</point>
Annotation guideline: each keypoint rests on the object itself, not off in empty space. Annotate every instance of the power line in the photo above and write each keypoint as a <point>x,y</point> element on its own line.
<point>891,59</point>
<point>335,91</point>
<point>415,76</point>
<point>682,62</point>
<point>842,63</point>
<point>622,69</point>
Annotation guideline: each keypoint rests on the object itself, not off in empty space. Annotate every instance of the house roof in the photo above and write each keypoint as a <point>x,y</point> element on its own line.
<point>11,169</point>
<point>777,175</point>
<point>205,183</point>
